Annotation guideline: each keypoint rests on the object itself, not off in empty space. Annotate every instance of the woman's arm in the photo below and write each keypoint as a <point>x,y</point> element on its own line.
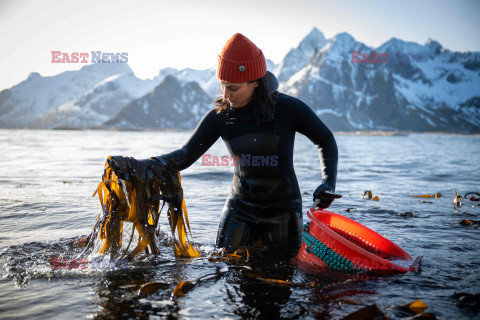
<point>309,124</point>
<point>201,140</point>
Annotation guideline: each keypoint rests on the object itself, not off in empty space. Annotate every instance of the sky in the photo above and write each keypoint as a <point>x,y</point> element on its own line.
<point>189,33</point>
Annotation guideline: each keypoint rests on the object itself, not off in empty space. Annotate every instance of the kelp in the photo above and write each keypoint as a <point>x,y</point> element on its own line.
<point>468,300</point>
<point>466,223</point>
<point>135,191</point>
<point>457,200</point>
<point>152,287</point>
<point>417,306</point>
<point>472,198</point>
<point>184,286</point>
<point>285,283</point>
<point>368,194</point>
<point>222,255</point>
<point>414,310</point>
<point>436,195</point>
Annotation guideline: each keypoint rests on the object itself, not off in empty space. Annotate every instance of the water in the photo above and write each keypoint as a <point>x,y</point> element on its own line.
<point>47,179</point>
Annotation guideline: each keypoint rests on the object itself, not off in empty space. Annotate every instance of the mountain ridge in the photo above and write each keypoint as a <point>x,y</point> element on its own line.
<point>415,88</point>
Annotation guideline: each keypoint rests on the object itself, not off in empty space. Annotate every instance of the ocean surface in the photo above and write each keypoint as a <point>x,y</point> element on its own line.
<point>47,179</point>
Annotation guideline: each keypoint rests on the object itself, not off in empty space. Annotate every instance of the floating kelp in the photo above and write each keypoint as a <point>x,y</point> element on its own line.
<point>472,198</point>
<point>406,214</point>
<point>185,286</point>
<point>466,223</point>
<point>469,300</point>
<point>436,195</point>
<point>151,287</point>
<point>368,194</point>
<point>417,306</point>
<point>413,310</point>
<point>182,288</point>
<point>221,255</point>
<point>457,201</point>
<point>131,192</point>
<point>285,283</point>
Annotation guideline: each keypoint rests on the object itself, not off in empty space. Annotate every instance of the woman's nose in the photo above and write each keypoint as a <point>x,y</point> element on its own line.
<point>227,94</point>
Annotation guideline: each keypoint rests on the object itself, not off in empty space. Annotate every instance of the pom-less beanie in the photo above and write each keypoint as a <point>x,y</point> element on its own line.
<point>240,60</point>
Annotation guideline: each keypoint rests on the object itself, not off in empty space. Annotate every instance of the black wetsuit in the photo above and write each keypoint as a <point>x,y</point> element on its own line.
<point>265,202</point>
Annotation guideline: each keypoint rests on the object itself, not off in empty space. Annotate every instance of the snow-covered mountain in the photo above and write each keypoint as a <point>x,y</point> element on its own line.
<point>271,66</point>
<point>31,100</point>
<point>418,88</point>
<point>98,105</point>
<point>205,78</point>
<point>297,59</point>
<point>173,104</point>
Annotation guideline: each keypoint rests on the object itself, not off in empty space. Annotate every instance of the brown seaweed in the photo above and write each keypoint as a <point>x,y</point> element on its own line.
<point>436,195</point>
<point>469,300</point>
<point>457,201</point>
<point>135,191</point>
<point>367,194</point>
<point>472,198</point>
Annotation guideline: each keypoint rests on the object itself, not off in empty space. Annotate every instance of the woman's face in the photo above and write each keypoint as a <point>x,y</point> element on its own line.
<point>238,94</point>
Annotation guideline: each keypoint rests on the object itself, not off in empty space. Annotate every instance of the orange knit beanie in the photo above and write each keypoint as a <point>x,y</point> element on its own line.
<point>240,60</point>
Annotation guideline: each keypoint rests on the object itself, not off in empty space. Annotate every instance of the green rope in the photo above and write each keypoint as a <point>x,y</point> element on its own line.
<point>332,259</point>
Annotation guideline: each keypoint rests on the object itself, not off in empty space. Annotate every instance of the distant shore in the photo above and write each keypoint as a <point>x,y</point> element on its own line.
<point>340,133</point>
<point>397,133</point>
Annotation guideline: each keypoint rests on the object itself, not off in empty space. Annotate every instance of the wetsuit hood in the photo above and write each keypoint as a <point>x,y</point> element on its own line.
<point>272,82</point>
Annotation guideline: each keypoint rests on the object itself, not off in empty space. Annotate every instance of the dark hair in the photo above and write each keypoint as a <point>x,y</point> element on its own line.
<point>261,100</point>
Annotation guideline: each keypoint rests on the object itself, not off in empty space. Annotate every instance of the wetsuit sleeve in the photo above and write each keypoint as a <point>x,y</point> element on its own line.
<point>201,140</point>
<point>309,124</point>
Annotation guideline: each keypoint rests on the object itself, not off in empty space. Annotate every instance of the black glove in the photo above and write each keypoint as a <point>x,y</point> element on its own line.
<point>324,196</point>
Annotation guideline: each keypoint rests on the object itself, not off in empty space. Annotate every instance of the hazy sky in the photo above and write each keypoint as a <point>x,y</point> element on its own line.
<point>183,33</point>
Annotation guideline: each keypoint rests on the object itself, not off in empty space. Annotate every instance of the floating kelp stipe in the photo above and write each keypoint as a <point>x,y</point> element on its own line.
<point>132,195</point>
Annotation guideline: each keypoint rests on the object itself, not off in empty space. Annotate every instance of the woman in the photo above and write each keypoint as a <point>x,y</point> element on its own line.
<point>258,125</point>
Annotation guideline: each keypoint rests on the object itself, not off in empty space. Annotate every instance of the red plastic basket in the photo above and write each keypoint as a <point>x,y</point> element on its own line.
<point>363,247</point>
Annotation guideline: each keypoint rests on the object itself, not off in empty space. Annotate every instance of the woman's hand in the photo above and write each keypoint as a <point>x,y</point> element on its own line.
<point>324,196</point>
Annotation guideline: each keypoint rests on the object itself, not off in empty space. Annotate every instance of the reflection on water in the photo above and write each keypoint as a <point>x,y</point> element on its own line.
<point>47,178</point>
